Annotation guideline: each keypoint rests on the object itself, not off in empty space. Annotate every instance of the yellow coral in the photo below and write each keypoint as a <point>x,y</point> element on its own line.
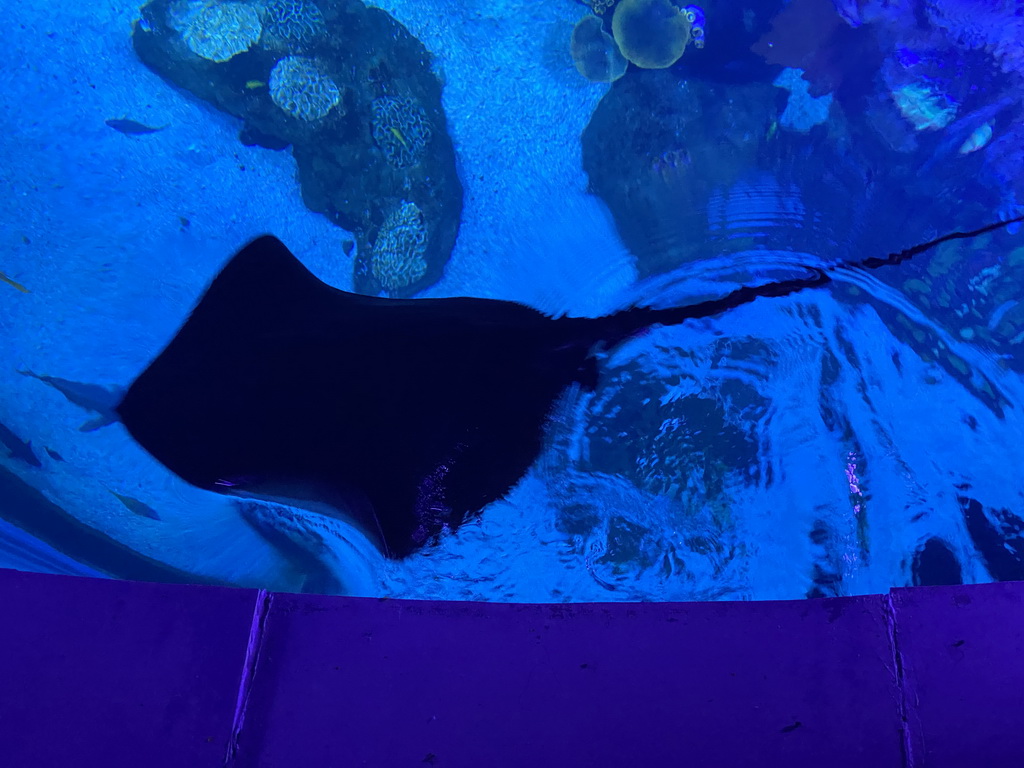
<point>650,33</point>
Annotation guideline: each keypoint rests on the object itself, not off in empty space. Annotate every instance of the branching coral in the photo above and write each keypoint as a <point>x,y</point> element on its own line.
<point>651,33</point>
<point>299,88</point>
<point>223,31</point>
<point>398,256</point>
<point>401,130</point>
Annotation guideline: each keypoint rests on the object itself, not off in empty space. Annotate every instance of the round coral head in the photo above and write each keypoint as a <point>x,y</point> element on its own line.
<point>595,53</point>
<point>651,33</point>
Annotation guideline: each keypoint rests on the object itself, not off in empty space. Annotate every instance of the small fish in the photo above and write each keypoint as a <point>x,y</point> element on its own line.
<point>140,508</point>
<point>132,128</point>
<point>5,279</point>
<point>19,449</point>
<point>54,455</point>
<point>398,135</point>
<point>252,85</point>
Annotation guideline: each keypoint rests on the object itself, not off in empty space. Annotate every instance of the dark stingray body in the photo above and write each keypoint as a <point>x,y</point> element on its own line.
<point>404,415</point>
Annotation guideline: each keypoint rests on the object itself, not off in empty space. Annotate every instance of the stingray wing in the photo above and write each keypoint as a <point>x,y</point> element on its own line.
<point>404,415</point>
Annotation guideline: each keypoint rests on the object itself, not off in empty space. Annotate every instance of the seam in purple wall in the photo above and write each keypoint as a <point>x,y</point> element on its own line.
<point>257,631</point>
<point>899,675</point>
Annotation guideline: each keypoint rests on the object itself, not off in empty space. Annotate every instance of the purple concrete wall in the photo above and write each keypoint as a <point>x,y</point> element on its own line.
<point>367,682</point>
<point>117,673</point>
<point>135,674</point>
<point>963,661</point>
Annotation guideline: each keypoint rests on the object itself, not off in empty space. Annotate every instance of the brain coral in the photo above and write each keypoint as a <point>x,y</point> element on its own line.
<point>222,31</point>
<point>595,53</point>
<point>181,13</point>
<point>290,22</point>
<point>401,129</point>
<point>651,33</point>
<point>299,88</point>
<point>397,259</point>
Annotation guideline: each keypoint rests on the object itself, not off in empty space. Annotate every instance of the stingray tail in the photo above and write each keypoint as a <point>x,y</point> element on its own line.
<point>635,320</point>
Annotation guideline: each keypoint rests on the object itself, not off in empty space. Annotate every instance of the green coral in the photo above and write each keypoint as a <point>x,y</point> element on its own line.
<point>289,23</point>
<point>651,33</point>
<point>925,109</point>
<point>222,31</point>
<point>398,258</point>
<point>299,88</point>
<point>595,53</point>
<point>401,129</point>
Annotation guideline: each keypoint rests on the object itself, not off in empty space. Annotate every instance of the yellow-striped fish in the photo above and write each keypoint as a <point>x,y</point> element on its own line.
<point>252,85</point>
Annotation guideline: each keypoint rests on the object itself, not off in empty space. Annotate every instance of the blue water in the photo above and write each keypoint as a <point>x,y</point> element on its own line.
<point>794,447</point>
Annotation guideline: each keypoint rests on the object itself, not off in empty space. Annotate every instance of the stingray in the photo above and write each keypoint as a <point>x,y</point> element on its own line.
<point>402,417</point>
